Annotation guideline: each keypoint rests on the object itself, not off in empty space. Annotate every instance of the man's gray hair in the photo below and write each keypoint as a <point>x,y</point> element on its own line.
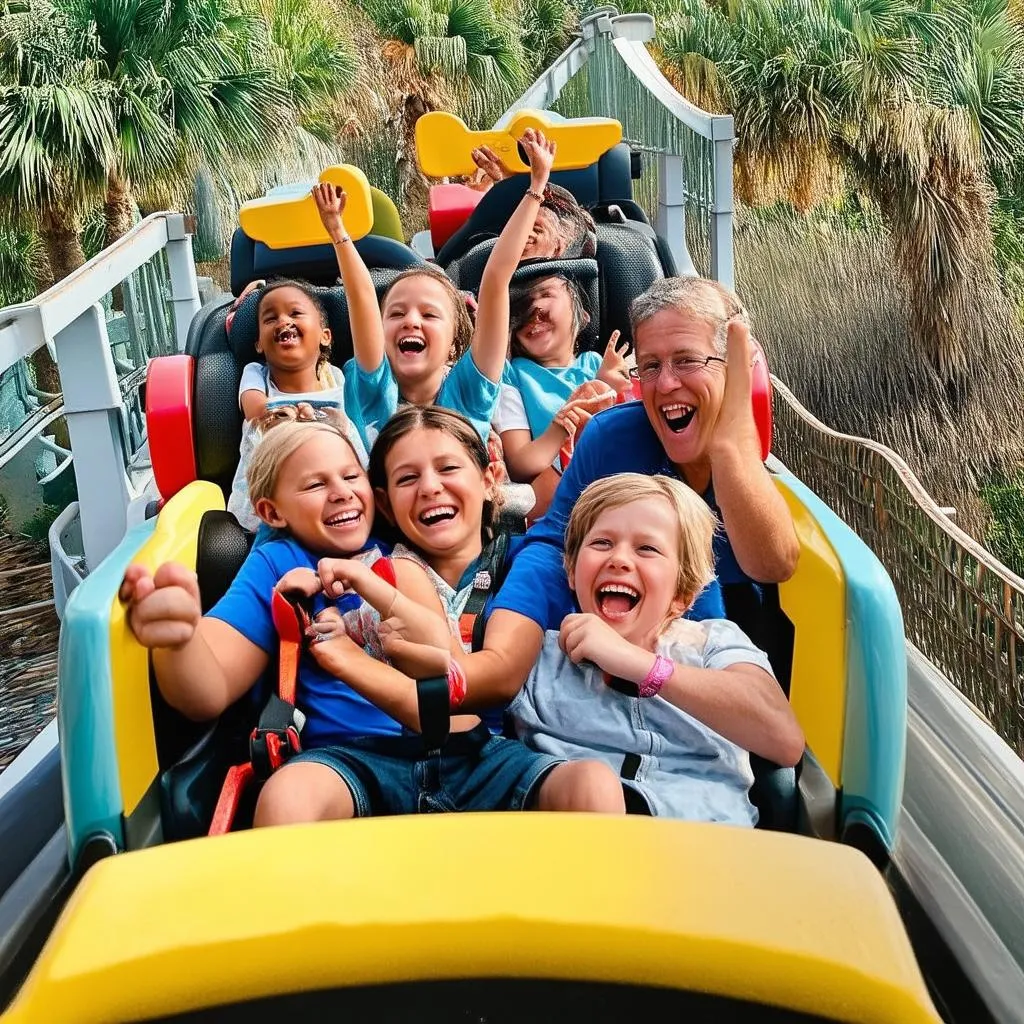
<point>704,299</point>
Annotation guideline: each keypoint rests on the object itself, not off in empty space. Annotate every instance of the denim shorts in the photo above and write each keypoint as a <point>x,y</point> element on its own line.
<point>474,771</point>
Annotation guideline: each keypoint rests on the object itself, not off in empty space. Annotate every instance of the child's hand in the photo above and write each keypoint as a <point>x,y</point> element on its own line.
<point>330,204</point>
<point>613,370</point>
<point>491,170</point>
<point>338,575</point>
<point>332,648</point>
<point>299,581</point>
<point>586,637</point>
<point>163,609</point>
<point>540,154</point>
<point>419,660</point>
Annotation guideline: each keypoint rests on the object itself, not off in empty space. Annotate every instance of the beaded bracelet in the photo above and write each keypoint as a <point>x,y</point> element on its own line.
<point>539,196</point>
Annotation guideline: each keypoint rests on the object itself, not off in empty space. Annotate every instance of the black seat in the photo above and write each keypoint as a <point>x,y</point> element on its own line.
<point>610,180</point>
<point>194,758</point>
<point>220,358</point>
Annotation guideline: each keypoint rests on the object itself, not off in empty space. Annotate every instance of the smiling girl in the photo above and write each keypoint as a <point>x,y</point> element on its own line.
<point>672,705</point>
<point>420,347</point>
<point>295,342</point>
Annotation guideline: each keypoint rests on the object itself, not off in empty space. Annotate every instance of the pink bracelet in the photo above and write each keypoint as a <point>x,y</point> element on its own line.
<point>661,673</point>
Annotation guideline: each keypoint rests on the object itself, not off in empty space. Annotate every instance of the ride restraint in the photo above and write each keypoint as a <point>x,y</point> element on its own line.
<point>275,739</point>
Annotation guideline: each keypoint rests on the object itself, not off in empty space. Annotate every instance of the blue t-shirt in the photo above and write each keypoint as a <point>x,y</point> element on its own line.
<point>371,399</point>
<point>545,389</point>
<point>334,712</point>
<point>618,440</point>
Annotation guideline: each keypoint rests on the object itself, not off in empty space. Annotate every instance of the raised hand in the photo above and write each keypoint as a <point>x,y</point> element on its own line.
<point>540,154</point>
<point>587,637</point>
<point>736,432</point>
<point>613,370</point>
<point>491,170</point>
<point>330,204</point>
<point>163,609</point>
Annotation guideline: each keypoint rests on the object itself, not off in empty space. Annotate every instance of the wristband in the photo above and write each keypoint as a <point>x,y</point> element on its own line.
<point>660,673</point>
<point>539,196</point>
<point>342,240</point>
<point>456,684</point>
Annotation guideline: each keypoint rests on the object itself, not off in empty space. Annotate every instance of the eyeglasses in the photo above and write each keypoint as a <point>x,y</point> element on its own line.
<point>680,366</point>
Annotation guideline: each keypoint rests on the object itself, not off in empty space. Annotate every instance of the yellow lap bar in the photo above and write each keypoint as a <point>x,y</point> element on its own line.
<point>770,918</point>
<point>444,144</point>
<point>293,221</point>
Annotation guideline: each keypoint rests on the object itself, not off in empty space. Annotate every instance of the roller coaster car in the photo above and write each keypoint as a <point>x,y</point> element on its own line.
<point>380,918</point>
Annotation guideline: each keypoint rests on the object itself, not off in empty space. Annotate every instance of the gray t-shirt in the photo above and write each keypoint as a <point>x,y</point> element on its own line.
<point>681,767</point>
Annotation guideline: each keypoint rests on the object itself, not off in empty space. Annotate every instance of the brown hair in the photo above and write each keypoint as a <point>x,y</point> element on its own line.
<point>277,445</point>
<point>575,224</point>
<point>434,417</point>
<point>307,289</point>
<point>697,523</point>
<point>521,307</point>
<point>463,323</point>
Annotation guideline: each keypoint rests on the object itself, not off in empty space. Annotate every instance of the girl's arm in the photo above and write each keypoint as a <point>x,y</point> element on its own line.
<point>254,404</point>
<point>490,338</point>
<point>526,459</point>
<point>202,665</point>
<point>363,308</point>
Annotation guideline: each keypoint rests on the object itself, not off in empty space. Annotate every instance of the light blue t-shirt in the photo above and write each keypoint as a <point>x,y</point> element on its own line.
<point>543,390</point>
<point>371,399</point>
<point>334,712</point>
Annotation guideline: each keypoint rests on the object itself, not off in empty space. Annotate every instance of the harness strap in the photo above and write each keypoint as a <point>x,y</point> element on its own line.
<point>435,711</point>
<point>489,577</point>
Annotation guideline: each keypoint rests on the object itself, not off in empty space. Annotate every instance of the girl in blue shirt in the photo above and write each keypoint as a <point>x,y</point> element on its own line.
<point>419,346</point>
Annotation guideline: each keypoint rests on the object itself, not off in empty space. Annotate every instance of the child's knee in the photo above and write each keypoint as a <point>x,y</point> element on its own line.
<point>303,792</point>
<point>582,786</point>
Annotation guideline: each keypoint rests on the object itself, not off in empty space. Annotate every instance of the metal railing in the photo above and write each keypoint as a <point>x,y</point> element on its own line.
<point>687,183</point>
<point>961,607</point>
<point>101,360</point>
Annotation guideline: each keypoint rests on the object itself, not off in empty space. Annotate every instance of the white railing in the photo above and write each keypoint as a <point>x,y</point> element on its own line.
<point>70,322</point>
<point>693,148</point>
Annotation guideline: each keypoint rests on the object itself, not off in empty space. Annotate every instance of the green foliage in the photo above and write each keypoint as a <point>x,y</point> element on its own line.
<point>21,254</point>
<point>1005,498</point>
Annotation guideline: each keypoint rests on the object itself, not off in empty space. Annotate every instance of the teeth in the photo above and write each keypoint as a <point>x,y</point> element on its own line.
<point>619,588</point>
<point>343,517</point>
<point>436,513</point>
<point>676,408</point>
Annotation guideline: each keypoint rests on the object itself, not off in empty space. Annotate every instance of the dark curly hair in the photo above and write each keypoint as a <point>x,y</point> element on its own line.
<point>309,291</point>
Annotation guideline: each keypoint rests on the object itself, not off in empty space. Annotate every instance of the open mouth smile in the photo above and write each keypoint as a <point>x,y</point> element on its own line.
<point>678,416</point>
<point>411,346</point>
<point>616,600</point>
<point>437,515</point>
<point>344,520</point>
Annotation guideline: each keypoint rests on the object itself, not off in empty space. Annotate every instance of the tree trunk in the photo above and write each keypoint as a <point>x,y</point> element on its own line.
<point>60,235</point>
<point>118,216</point>
<point>118,212</point>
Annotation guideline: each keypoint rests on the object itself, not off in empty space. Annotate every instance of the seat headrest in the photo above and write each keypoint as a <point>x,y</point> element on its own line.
<point>608,180</point>
<point>629,263</point>
<point>251,261</point>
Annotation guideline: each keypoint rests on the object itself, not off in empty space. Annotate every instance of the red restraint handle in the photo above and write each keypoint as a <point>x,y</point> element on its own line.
<point>761,399</point>
<point>169,427</point>
<point>448,208</point>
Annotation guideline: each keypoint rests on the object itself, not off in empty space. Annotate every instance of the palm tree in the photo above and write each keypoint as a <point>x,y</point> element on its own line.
<point>56,139</point>
<point>917,105</point>
<point>444,54</point>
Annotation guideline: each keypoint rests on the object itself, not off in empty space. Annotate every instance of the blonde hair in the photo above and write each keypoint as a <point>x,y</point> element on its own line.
<point>276,447</point>
<point>697,523</point>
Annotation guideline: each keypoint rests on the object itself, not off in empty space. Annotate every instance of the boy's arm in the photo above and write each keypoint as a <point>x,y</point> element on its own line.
<point>202,665</point>
<point>740,701</point>
<point>363,308</point>
<point>490,338</point>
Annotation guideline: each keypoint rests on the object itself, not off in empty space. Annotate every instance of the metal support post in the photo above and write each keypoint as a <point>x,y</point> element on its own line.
<point>671,219</point>
<point>184,287</point>
<point>92,407</point>
<point>722,210</point>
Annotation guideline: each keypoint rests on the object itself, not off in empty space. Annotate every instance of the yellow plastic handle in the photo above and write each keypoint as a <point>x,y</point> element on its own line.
<point>444,144</point>
<point>293,221</point>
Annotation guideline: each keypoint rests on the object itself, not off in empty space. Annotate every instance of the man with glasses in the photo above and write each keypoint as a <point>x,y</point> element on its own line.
<point>695,423</point>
